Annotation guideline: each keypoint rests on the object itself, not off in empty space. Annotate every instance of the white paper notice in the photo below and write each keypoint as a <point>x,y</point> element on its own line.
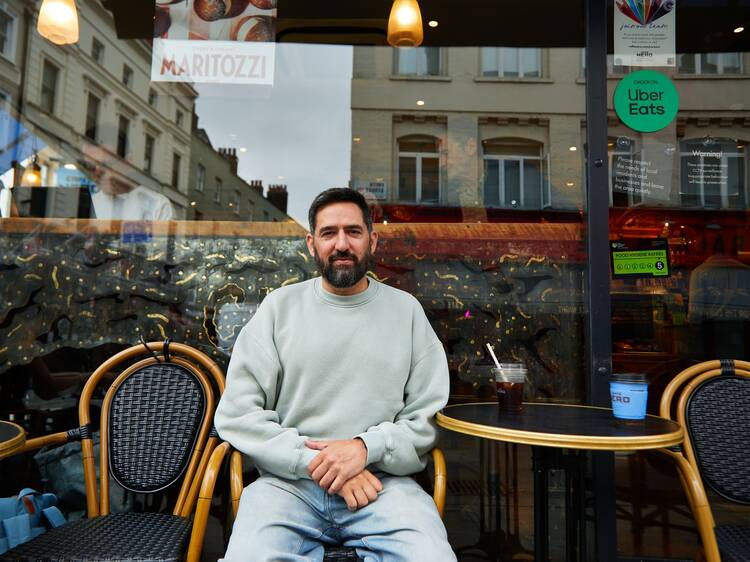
<point>644,33</point>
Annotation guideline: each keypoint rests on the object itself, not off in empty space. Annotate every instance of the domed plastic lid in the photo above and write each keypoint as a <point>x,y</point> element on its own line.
<point>633,378</point>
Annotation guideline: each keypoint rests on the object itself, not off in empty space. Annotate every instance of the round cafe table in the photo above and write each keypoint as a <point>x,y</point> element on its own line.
<point>12,438</point>
<point>560,426</point>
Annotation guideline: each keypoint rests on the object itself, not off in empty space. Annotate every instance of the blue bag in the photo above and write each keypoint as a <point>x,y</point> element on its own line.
<point>26,516</point>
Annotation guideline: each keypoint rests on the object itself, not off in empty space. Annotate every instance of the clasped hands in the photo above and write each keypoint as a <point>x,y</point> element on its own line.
<point>339,468</point>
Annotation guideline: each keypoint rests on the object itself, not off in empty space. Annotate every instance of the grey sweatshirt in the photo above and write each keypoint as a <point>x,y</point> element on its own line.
<point>313,365</point>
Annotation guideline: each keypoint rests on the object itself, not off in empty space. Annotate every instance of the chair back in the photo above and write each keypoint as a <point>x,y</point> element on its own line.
<point>155,415</point>
<point>713,406</point>
<point>156,422</point>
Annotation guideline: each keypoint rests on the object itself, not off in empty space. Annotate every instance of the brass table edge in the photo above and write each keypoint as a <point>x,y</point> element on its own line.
<point>11,445</point>
<point>587,442</point>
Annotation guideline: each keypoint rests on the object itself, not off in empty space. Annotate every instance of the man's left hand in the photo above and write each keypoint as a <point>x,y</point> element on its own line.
<point>337,462</point>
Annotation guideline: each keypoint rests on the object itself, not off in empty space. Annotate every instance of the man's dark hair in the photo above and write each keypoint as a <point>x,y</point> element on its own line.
<point>339,195</point>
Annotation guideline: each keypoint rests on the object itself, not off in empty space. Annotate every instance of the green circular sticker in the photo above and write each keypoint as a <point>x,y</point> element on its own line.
<point>646,101</point>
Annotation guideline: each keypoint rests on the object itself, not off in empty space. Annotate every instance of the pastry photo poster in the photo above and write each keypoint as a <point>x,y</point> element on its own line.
<point>214,41</point>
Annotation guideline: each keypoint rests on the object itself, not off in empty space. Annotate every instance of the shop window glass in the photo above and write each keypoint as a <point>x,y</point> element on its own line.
<point>421,61</point>
<point>510,62</point>
<point>418,169</point>
<point>48,98</point>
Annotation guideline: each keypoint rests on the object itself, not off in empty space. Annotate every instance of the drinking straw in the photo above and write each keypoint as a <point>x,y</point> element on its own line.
<point>492,352</point>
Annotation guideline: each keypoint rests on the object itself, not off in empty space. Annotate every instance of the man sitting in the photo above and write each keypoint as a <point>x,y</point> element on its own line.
<point>331,390</point>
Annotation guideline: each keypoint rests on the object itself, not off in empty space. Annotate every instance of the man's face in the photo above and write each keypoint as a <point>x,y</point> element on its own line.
<point>341,245</point>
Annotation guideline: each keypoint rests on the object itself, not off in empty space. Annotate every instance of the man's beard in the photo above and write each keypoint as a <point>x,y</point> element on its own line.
<point>343,277</point>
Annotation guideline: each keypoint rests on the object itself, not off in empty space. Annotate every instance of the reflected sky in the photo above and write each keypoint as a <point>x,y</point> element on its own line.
<point>297,132</point>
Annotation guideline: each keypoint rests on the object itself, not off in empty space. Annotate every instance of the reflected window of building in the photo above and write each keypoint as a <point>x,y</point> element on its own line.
<point>148,153</point>
<point>713,173</point>
<point>236,203</point>
<point>127,75</point>
<point>152,97</point>
<point>176,161</point>
<point>419,169</point>
<point>200,178</point>
<point>217,190</point>
<point>624,185</point>
<point>422,61</point>
<point>710,63</point>
<point>512,173</point>
<point>123,131</point>
<point>179,118</point>
<point>7,33</point>
<point>509,62</point>
<point>93,104</point>
<point>48,96</point>
<point>97,50</point>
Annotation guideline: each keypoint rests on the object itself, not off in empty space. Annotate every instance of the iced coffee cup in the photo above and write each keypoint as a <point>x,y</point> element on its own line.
<point>509,381</point>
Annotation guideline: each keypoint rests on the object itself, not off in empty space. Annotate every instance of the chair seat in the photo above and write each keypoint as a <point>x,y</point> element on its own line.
<point>122,536</point>
<point>734,543</point>
<point>341,554</point>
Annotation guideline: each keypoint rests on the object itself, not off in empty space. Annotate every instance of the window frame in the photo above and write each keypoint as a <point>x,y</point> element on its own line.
<point>720,67</point>
<point>123,140</point>
<point>97,50</point>
<point>218,185</point>
<point>419,156</point>
<point>87,125</point>
<point>200,178</point>
<point>42,86</point>
<point>128,76</point>
<point>148,155</point>
<point>500,54</point>
<point>12,36</point>
<point>417,75</point>
<point>176,165</point>
<point>501,158</point>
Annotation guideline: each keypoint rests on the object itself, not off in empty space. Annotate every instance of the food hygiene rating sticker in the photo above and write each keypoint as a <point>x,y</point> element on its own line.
<point>646,101</point>
<point>640,258</point>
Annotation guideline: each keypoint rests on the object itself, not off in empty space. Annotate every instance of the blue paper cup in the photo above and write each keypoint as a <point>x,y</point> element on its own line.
<point>629,392</point>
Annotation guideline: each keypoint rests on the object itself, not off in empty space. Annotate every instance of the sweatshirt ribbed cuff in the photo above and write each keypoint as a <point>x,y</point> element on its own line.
<point>375,443</point>
<point>305,457</point>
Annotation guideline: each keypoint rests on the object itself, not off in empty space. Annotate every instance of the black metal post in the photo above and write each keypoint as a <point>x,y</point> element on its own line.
<point>599,336</point>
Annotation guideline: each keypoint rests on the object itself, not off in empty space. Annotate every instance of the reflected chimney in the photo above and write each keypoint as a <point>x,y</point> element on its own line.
<point>231,155</point>
<point>278,196</point>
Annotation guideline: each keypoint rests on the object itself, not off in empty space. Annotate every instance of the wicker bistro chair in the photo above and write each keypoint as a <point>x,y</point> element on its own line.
<point>156,430</point>
<point>335,553</point>
<point>711,401</point>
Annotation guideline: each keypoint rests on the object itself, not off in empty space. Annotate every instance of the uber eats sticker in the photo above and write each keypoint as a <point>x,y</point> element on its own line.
<point>646,101</point>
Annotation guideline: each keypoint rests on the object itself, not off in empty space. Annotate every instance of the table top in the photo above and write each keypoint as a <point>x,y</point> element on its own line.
<point>560,425</point>
<point>12,438</point>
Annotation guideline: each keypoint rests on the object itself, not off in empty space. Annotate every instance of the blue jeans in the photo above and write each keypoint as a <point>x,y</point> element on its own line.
<point>291,521</point>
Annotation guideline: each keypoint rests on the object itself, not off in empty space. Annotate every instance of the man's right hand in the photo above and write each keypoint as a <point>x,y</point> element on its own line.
<point>360,490</point>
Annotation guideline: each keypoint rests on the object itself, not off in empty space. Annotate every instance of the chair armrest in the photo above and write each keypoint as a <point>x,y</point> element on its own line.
<point>44,440</point>
<point>441,480</point>
<point>696,495</point>
<point>235,481</point>
<point>204,501</point>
